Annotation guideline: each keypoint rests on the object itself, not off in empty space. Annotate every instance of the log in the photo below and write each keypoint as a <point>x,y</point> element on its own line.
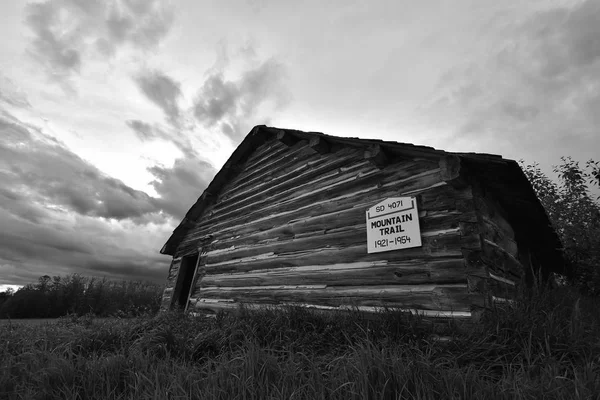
<point>336,166</point>
<point>497,258</point>
<point>286,138</point>
<point>311,179</point>
<point>347,191</point>
<point>501,289</point>
<point>381,272</point>
<point>286,210</point>
<point>430,199</point>
<point>319,145</point>
<point>231,306</point>
<point>279,151</point>
<point>291,199</point>
<point>376,156</point>
<point>173,270</point>
<point>408,171</point>
<point>272,162</point>
<point>433,247</point>
<point>451,171</point>
<point>297,236</point>
<point>491,232</point>
<point>264,150</point>
<point>503,280</point>
<point>311,166</point>
<point>494,215</point>
<point>431,297</point>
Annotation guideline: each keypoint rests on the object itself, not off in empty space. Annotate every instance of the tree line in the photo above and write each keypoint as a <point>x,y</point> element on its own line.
<point>56,296</point>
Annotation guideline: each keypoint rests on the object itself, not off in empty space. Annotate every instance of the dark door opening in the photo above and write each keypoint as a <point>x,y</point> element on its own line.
<point>184,280</point>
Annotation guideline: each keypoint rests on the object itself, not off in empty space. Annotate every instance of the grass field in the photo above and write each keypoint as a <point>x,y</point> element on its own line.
<point>44,321</point>
<point>30,321</point>
<point>548,347</point>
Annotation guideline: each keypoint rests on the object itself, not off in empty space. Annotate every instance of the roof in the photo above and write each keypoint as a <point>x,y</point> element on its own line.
<point>503,177</point>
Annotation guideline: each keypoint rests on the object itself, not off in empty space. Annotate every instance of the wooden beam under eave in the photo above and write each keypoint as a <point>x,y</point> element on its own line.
<point>376,156</point>
<point>452,172</point>
<point>319,145</point>
<point>286,138</point>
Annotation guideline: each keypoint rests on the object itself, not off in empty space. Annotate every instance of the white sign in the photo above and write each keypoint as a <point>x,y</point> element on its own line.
<point>393,224</point>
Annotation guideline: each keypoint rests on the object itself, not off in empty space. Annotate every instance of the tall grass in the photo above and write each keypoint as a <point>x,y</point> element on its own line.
<point>546,347</point>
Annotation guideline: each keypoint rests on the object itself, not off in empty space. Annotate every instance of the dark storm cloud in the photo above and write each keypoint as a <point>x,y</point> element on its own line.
<point>60,247</point>
<point>155,269</point>
<point>66,32</point>
<point>229,104</point>
<point>60,215</point>
<point>161,90</point>
<point>181,185</point>
<point>42,170</point>
<point>538,87</point>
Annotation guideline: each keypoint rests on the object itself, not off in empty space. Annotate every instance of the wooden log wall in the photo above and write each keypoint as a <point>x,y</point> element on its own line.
<point>500,253</point>
<point>167,297</point>
<point>290,229</point>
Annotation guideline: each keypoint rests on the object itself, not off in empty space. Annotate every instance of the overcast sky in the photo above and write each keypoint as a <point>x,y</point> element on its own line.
<point>115,115</point>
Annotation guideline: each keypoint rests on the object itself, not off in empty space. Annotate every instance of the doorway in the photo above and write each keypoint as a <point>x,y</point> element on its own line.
<point>184,281</point>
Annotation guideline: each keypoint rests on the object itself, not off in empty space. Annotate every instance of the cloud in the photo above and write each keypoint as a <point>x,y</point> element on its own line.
<point>231,104</point>
<point>537,87</point>
<point>181,185</point>
<point>175,134</point>
<point>163,91</point>
<point>217,99</point>
<point>67,32</point>
<point>84,245</point>
<point>10,94</point>
<point>37,168</point>
<point>59,214</point>
<point>145,131</point>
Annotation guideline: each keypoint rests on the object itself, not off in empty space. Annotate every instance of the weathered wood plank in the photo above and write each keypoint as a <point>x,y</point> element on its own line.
<point>170,285</point>
<point>287,138</point>
<point>309,162</point>
<point>291,199</point>
<point>430,198</point>
<point>376,156</point>
<point>381,272</point>
<point>349,158</point>
<point>451,171</point>
<point>434,246</point>
<point>311,204</point>
<point>492,233</point>
<point>263,150</point>
<point>231,306</point>
<point>493,214</point>
<point>307,233</point>
<point>319,145</point>
<point>432,297</point>
<point>282,154</point>
<point>294,182</point>
<point>498,258</point>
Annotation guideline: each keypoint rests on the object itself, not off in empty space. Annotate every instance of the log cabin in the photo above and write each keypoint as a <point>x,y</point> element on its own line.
<point>334,223</point>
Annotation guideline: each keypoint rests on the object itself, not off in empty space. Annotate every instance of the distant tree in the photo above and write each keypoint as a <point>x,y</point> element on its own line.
<point>56,296</point>
<point>5,296</point>
<point>575,214</point>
